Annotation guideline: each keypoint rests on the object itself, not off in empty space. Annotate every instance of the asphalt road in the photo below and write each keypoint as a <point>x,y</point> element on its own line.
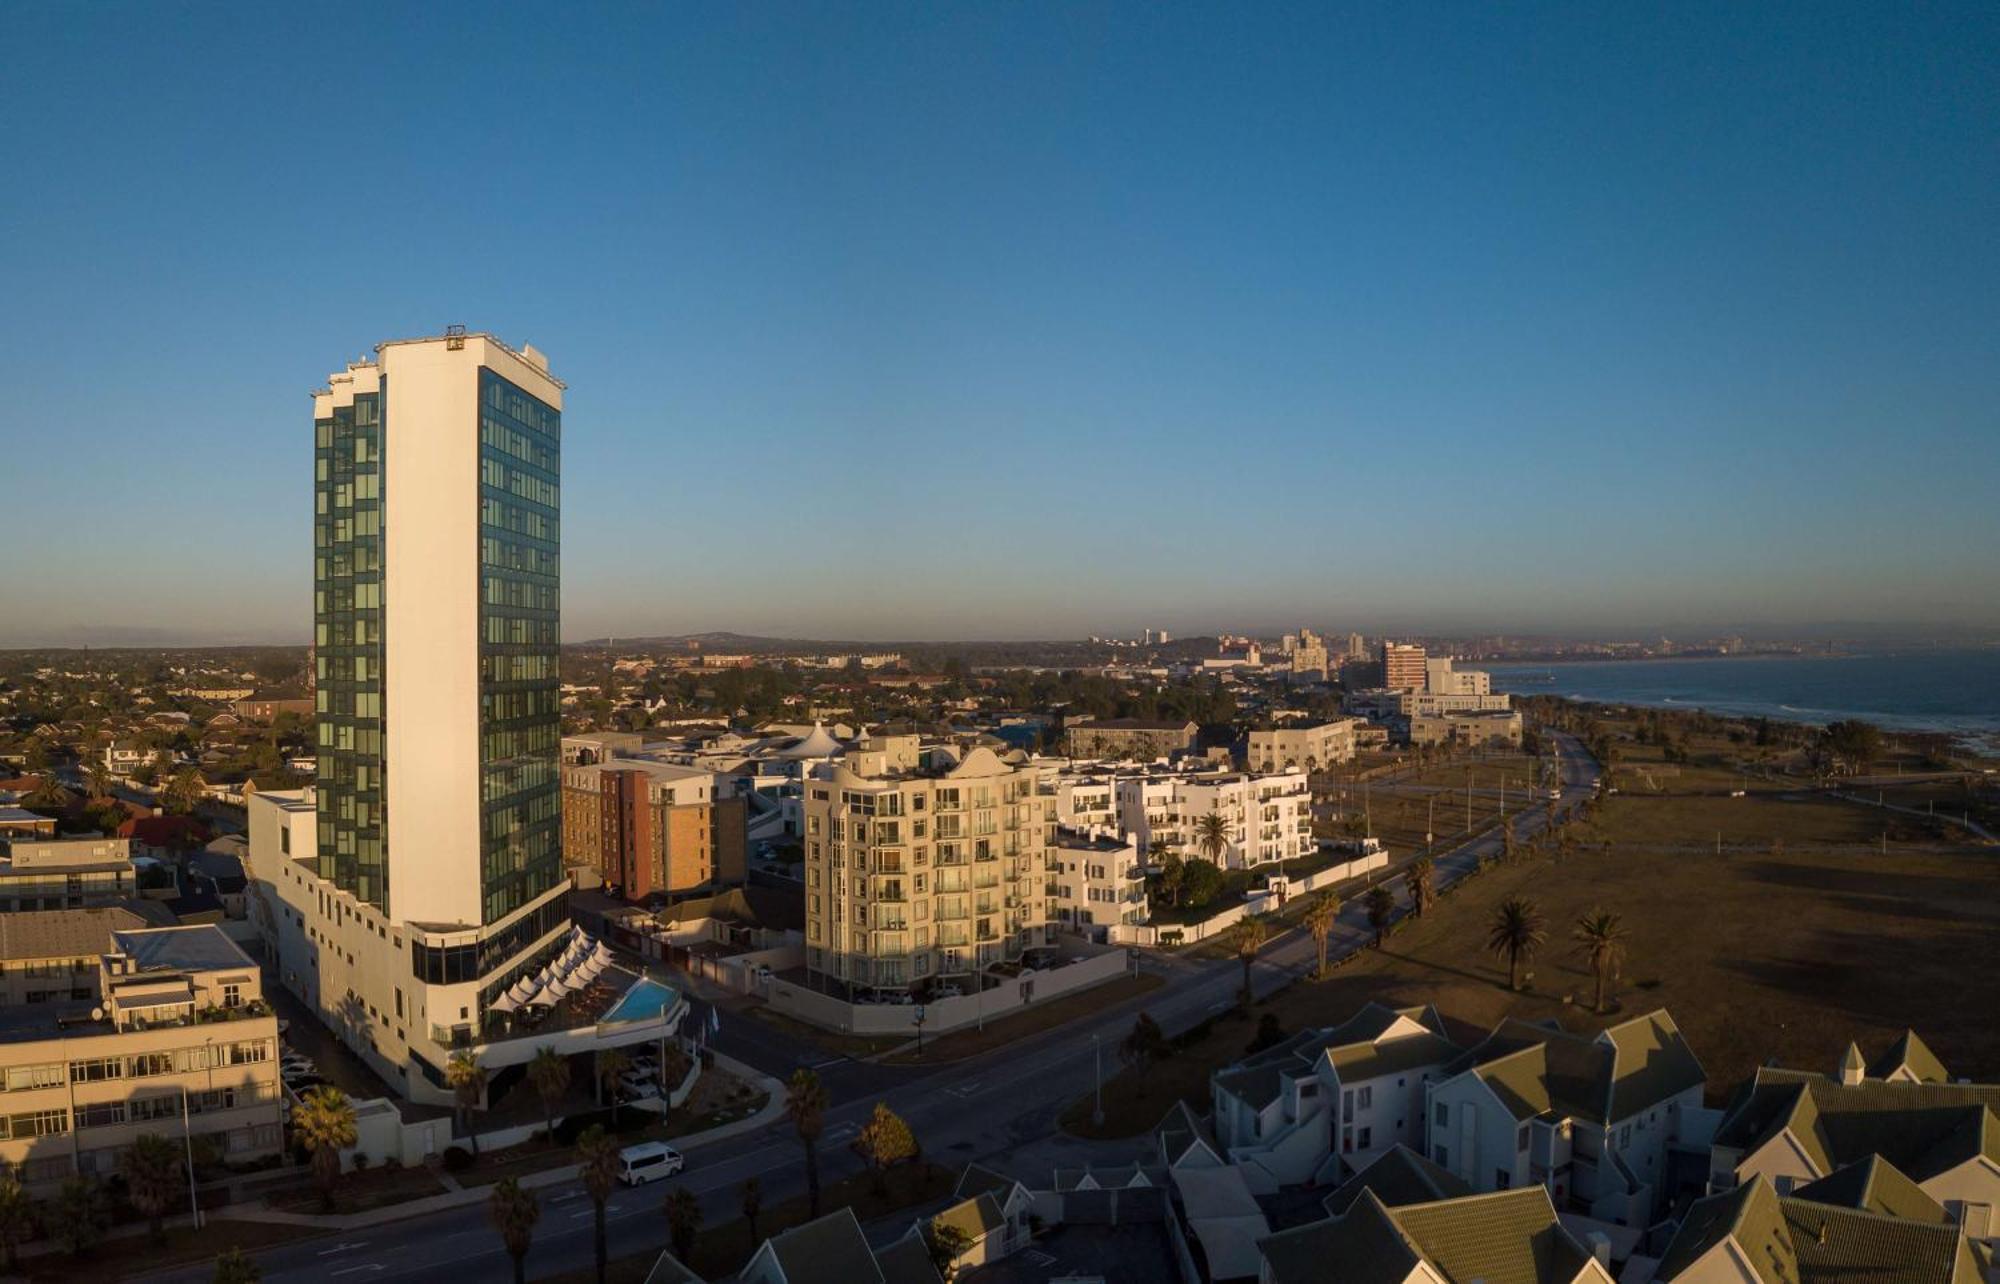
<point>1000,1109</point>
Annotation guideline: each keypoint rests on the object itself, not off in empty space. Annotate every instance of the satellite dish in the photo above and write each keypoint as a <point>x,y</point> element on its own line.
<point>97,1014</point>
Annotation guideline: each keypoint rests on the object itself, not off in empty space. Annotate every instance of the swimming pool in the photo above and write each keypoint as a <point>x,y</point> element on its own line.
<point>647,1000</point>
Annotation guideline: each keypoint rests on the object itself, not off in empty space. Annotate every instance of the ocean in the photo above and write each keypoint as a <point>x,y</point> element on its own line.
<point>1950,691</point>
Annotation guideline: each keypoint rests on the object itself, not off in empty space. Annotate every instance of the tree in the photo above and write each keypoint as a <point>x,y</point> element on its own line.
<point>49,793</point>
<point>468,1091</point>
<point>1320,919</point>
<point>1422,880</point>
<point>1200,882</point>
<point>548,1073</point>
<point>1211,836</point>
<point>613,1065</point>
<point>1602,936</point>
<point>1246,939</point>
<point>323,1126</point>
<point>1145,1046</point>
<point>151,1166</point>
<point>97,777</point>
<point>1172,869</point>
<point>597,1168</point>
<point>236,1267</point>
<point>17,1219</point>
<point>1381,904</point>
<point>885,1141</point>
<point>515,1212</point>
<point>806,1104</point>
<point>683,1211</point>
<point>1516,933</point>
<point>753,1203</point>
<point>945,1243</point>
<point>1270,1033</point>
<point>1853,745</point>
<point>81,1213</point>
<point>182,792</point>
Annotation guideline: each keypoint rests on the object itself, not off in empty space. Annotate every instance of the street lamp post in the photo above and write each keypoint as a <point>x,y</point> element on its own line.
<point>1097,1057</point>
<point>920,1029</point>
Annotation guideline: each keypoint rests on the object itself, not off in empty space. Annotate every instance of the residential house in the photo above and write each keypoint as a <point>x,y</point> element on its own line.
<point>1753,1235</point>
<point>1795,1127</point>
<point>1596,1119</point>
<point>991,1212</point>
<point>1325,1102</point>
<point>60,873</point>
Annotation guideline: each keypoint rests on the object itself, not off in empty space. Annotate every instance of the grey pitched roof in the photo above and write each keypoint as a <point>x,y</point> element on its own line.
<point>830,1250</point>
<point>978,1179</point>
<point>1921,1128</point>
<point>1750,1214</point>
<point>1507,1237</point>
<point>1911,1054</point>
<point>1398,1176</point>
<point>1874,1185</point>
<point>1795,1240</point>
<point>1538,1070</point>
<point>906,1261</point>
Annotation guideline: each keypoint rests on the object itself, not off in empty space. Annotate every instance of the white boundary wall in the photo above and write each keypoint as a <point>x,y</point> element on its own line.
<point>1010,994</point>
<point>1273,896</point>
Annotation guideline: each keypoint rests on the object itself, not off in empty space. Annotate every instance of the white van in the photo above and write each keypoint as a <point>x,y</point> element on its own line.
<point>648,1161</point>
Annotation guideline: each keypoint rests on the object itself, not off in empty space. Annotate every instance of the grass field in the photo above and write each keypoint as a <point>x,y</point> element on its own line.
<point>1759,953</point>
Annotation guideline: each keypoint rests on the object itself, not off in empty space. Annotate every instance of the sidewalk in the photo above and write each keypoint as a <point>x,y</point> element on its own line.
<point>773,1110</point>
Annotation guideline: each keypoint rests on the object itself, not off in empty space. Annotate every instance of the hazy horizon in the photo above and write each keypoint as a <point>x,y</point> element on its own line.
<point>1025,323</point>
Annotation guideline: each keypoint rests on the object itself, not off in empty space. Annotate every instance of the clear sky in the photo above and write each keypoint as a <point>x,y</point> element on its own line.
<point>935,321</point>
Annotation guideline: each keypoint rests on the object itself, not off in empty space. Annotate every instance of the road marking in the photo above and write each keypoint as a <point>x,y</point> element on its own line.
<point>343,1247</point>
<point>365,1266</point>
<point>821,1065</point>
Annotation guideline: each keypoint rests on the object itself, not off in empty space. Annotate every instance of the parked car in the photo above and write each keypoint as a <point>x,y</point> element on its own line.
<point>947,991</point>
<point>648,1161</point>
<point>638,1083</point>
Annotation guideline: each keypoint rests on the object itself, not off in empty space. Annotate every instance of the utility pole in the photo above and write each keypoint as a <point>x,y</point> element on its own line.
<point>1097,1055</point>
<point>1468,802</point>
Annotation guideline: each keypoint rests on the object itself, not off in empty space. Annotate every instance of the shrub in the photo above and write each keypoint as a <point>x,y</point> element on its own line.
<point>361,1161</point>
<point>457,1159</point>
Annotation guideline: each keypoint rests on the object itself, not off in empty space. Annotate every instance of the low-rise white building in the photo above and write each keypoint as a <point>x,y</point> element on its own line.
<point>1310,748</point>
<point>1592,1119</point>
<point>1097,878</point>
<point>1326,1102</point>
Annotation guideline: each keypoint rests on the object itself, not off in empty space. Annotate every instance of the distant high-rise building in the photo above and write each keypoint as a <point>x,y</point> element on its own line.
<point>1357,647</point>
<point>1309,654</point>
<point>1402,666</point>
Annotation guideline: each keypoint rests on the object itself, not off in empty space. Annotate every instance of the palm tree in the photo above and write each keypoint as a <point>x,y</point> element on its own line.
<point>1602,936</point>
<point>753,1203</point>
<point>1381,903</point>
<point>233,1267</point>
<point>468,1091</point>
<point>182,792</point>
<point>1423,891</point>
<point>151,1166</point>
<point>806,1103</point>
<point>515,1212</point>
<point>17,1219</point>
<point>597,1168</point>
<point>97,777</point>
<point>1516,934</point>
<point>80,1214</point>
<point>613,1065</point>
<point>1169,862</point>
<point>1211,836</point>
<point>1246,939</point>
<point>49,792</point>
<point>1320,920</point>
<point>683,1220</point>
<point>548,1073</point>
<point>323,1125</point>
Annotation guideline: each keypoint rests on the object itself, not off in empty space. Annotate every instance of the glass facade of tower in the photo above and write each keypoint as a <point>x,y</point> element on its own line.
<point>520,725</point>
<point>347,635</point>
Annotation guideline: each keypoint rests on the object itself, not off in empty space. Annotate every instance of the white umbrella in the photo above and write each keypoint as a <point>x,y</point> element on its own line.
<point>557,989</point>
<point>602,953</point>
<point>587,970</point>
<point>505,1003</point>
<point>521,990</point>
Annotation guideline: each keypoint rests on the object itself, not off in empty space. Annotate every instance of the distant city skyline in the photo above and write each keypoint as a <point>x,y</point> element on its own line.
<point>1034,323</point>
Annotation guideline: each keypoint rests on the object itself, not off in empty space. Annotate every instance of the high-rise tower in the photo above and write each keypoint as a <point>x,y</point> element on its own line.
<point>435,609</point>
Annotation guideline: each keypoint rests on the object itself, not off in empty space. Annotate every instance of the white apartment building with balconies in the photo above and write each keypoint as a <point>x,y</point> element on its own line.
<point>924,861</point>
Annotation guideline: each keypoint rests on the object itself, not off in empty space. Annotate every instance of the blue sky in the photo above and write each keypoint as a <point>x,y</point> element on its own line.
<point>900,321</point>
